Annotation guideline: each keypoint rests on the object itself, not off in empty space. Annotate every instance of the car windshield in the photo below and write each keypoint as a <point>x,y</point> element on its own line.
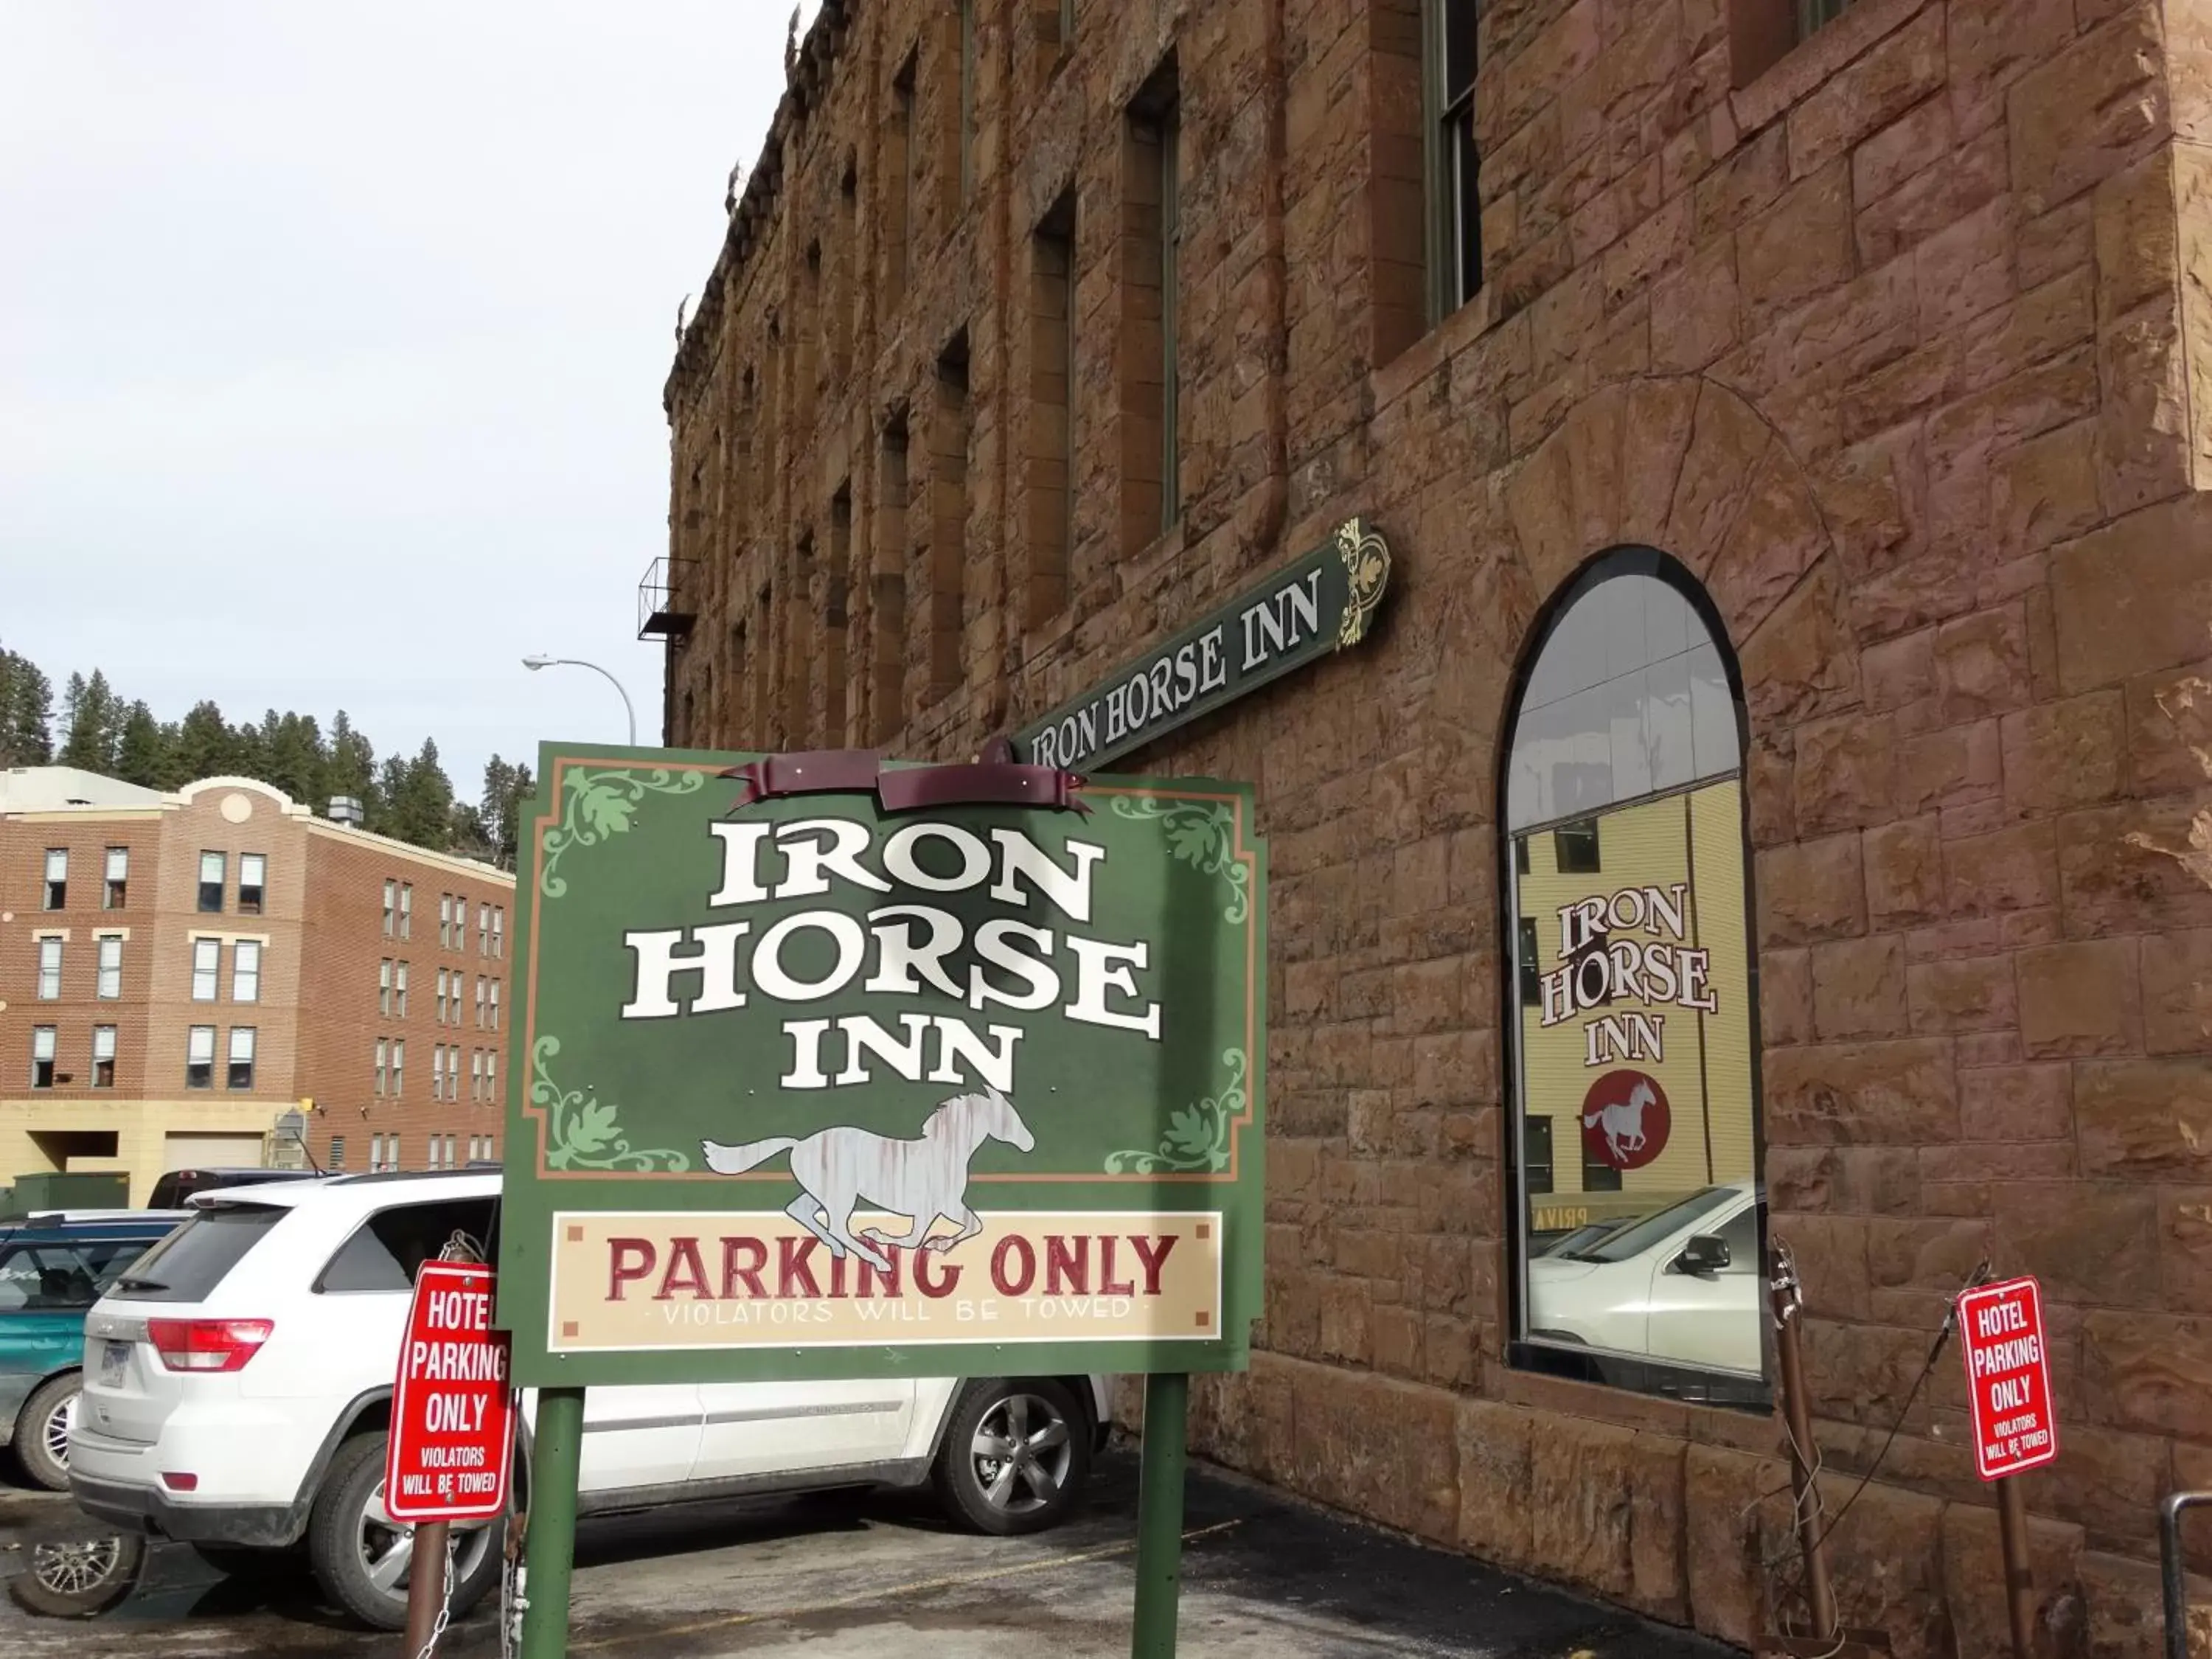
<point>190,1262</point>
<point>1643,1235</point>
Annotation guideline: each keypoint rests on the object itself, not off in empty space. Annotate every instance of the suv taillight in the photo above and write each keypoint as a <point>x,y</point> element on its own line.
<point>207,1344</point>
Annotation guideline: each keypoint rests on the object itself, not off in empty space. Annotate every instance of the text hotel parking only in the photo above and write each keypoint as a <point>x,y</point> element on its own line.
<point>2015,1423</point>
<point>453,1425</point>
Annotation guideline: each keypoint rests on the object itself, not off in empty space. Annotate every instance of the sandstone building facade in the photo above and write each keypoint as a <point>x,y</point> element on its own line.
<point>217,976</point>
<point>1876,338</point>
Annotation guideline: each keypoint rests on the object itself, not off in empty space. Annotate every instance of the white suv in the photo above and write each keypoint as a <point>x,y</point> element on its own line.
<point>238,1380</point>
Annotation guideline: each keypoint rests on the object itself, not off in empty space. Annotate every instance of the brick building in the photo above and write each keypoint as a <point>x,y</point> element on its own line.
<point>1850,364</point>
<point>180,974</point>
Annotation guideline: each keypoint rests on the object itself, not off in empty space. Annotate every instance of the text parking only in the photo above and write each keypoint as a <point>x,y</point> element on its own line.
<point>452,1420</point>
<point>2008,1378</point>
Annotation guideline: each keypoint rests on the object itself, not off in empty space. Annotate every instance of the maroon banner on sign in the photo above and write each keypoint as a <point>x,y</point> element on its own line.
<point>899,789</point>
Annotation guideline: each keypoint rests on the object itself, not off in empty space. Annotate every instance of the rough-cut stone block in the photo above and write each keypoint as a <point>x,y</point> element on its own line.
<point>1974,1580</point>
<point>1727,1596</point>
<point>2088,1241</point>
<point>1859,987</point>
<point>2145,1370</point>
<point>1811,891</point>
<point>2177,992</point>
<point>1579,1504</point>
<point>2065,754</point>
<point>1898,1093</point>
<point>2076,118</point>
<point>1494,1515</point>
<point>2134,596</point>
<point>2083,998</point>
<point>1905,873</point>
<point>2145,1118</point>
<point>1971,994</point>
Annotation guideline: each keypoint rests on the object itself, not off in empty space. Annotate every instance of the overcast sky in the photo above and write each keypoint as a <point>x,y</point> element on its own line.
<point>331,344</point>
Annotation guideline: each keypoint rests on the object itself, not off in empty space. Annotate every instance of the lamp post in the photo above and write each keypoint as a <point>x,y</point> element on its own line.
<point>537,662</point>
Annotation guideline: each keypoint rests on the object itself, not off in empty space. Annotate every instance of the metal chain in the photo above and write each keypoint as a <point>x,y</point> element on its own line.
<point>446,1600</point>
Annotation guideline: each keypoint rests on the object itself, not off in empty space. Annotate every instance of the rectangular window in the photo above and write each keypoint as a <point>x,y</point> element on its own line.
<point>1536,1153</point>
<point>951,432</point>
<point>499,931</point>
<point>103,1056</point>
<point>1526,961</point>
<point>406,909</point>
<point>481,1000</point>
<point>445,921</point>
<point>43,1048</point>
<point>476,1075</point>
<point>246,971</point>
<point>460,921</point>
<point>1814,14</point>
<point>241,1056</point>
<point>904,164</point>
<point>253,882</point>
<point>1151,213</point>
<point>495,1005</point>
<point>199,1057</point>
<point>383,1059</point>
<point>337,1159</point>
<point>119,878</point>
<point>399,1067</point>
<point>214,867</point>
<point>887,625</point>
<point>375,1153</point>
<point>1576,848</point>
<point>483,930</point>
<point>491,1075</point>
<point>438,1003</point>
<point>400,992</point>
<point>1455,190</point>
<point>430,1158</point>
<point>438,1072</point>
<point>830,637</point>
<point>1598,1176</point>
<point>56,892</point>
<point>1051,462</point>
<point>207,968</point>
<point>50,970</point>
<point>384,987</point>
<point>109,986</point>
<point>391,906</point>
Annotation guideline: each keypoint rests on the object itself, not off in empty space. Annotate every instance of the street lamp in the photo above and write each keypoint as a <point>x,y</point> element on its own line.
<point>536,662</point>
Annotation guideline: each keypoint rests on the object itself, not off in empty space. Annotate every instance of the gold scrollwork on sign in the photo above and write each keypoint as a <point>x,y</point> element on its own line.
<point>1367,570</point>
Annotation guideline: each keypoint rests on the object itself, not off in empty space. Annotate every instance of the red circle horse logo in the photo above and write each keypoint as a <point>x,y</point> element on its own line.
<point>1625,1120</point>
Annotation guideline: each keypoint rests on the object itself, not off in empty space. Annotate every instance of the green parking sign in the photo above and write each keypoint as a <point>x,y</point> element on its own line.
<point>844,1072</point>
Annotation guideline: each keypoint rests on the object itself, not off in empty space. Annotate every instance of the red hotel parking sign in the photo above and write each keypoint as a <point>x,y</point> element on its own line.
<point>2008,1378</point>
<point>453,1405</point>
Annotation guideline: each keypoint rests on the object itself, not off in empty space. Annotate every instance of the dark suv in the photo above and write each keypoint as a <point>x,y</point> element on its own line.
<point>171,1191</point>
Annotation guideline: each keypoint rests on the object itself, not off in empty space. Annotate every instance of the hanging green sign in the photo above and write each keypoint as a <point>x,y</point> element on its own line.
<point>831,1069</point>
<point>1321,602</point>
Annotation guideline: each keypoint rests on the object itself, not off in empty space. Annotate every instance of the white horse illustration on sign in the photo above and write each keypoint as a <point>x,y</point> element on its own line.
<point>1623,1120</point>
<point>840,1168</point>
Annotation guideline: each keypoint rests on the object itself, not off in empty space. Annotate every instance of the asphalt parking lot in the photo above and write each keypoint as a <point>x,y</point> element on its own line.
<point>860,1576</point>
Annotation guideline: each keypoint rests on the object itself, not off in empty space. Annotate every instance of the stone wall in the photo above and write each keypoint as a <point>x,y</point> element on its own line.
<point>1899,342</point>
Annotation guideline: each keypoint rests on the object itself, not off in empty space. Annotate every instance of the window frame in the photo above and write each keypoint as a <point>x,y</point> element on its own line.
<point>233,1060</point>
<point>400,990</point>
<point>209,947</point>
<point>245,982</point>
<point>107,967</point>
<point>47,1037</point>
<point>407,910</point>
<point>107,1079</point>
<point>1444,236</point>
<point>384,987</point>
<point>205,1068</point>
<point>218,888</point>
<point>53,893</point>
<point>50,953</point>
<point>115,882</point>
<point>259,887</point>
<point>1628,1373</point>
<point>390,909</point>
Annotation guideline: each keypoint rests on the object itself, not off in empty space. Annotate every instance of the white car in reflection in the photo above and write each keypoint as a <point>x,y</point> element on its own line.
<point>1681,1286</point>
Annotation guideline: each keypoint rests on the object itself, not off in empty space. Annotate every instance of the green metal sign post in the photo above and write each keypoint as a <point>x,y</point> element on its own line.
<point>835,1069</point>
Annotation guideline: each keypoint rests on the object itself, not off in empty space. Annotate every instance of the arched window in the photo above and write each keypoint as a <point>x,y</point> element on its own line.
<point>1640,1218</point>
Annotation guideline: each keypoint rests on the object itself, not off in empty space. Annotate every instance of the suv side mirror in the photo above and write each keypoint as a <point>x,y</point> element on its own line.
<point>1704,1253</point>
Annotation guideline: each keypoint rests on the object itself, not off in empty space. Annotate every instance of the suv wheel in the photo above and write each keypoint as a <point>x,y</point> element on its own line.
<point>42,1431</point>
<point>80,1577</point>
<point>1015,1456</point>
<point>362,1558</point>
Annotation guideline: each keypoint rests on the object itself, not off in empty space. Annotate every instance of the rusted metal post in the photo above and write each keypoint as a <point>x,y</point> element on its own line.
<point>2018,1570</point>
<point>426,1585</point>
<point>2173,1570</point>
<point>1797,1411</point>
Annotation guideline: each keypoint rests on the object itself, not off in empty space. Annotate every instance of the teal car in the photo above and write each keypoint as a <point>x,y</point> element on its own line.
<point>53,1269</point>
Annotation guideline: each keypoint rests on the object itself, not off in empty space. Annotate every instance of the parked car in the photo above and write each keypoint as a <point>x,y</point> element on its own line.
<point>53,1267</point>
<point>171,1189</point>
<point>238,1395</point>
<point>1681,1286</point>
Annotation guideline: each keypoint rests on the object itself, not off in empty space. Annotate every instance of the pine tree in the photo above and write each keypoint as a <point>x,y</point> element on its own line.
<point>142,751</point>
<point>423,810</point>
<point>505,788</point>
<point>27,711</point>
<point>92,723</point>
<point>348,766</point>
<point>383,803</point>
<point>204,747</point>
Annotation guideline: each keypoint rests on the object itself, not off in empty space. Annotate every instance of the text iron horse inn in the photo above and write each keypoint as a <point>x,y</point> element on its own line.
<point>1777,767</point>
